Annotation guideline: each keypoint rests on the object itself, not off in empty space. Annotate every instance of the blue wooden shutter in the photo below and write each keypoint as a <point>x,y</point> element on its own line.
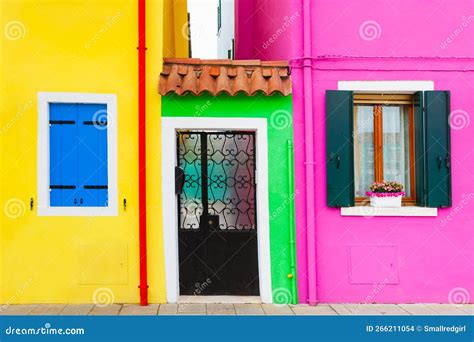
<point>63,154</point>
<point>339,149</point>
<point>92,155</point>
<point>437,148</point>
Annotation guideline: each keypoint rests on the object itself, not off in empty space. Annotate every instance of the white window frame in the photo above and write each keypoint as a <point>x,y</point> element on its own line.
<point>169,126</point>
<point>44,208</point>
<point>390,87</point>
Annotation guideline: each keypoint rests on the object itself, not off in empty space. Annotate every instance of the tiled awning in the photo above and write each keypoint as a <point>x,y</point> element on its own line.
<point>192,75</point>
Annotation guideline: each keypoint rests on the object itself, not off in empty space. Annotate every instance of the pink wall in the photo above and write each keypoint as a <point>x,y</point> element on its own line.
<point>418,259</point>
<point>264,29</point>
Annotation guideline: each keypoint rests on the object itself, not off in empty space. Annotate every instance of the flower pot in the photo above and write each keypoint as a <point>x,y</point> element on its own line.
<point>386,201</point>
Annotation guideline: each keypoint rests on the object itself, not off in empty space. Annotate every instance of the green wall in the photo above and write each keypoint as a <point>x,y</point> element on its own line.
<point>278,111</point>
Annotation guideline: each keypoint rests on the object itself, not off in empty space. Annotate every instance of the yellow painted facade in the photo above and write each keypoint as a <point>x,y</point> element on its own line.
<point>175,20</point>
<point>84,46</point>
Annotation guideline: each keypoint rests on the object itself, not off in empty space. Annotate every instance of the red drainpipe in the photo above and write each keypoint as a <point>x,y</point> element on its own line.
<point>142,151</point>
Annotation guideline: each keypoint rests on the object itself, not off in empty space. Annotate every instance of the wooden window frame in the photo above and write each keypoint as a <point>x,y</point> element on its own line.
<point>378,101</point>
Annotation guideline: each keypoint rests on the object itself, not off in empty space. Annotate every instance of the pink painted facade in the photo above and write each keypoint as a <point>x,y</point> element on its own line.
<point>377,259</point>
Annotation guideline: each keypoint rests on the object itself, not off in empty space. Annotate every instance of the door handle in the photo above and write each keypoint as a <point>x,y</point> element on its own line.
<point>335,156</point>
<point>209,222</point>
<point>178,180</point>
<point>438,162</point>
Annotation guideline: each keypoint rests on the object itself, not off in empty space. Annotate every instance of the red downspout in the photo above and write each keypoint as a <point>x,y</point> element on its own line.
<point>142,151</point>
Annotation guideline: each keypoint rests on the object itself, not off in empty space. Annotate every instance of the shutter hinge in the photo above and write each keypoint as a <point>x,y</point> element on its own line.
<point>62,187</point>
<point>97,187</point>
<point>62,122</point>
<point>95,123</point>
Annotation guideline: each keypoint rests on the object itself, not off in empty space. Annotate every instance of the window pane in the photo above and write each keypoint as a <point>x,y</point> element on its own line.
<point>363,148</point>
<point>396,141</point>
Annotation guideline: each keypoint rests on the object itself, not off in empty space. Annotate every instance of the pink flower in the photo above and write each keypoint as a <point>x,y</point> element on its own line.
<point>385,194</point>
<point>386,188</point>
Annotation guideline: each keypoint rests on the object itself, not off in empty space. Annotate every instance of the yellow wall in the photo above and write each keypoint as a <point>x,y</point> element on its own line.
<point>175,21</point>
<point>77,46</point>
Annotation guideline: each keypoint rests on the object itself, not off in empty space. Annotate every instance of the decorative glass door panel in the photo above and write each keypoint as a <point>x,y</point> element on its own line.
<point>217,213</point>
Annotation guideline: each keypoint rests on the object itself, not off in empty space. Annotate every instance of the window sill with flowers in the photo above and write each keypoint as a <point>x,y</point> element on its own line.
<point>385,199</point>
<point>368,211</point>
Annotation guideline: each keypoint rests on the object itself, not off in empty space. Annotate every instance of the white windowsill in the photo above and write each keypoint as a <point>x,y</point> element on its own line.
<point>369,211</point>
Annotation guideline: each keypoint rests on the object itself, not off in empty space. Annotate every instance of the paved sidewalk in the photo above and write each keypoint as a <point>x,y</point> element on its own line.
<point>238,309</point>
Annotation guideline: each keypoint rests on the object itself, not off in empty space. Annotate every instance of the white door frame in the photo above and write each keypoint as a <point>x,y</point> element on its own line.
<point>169,126</point>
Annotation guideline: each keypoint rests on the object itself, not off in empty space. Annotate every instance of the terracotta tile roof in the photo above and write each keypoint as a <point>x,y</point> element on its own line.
<point>216,76</point>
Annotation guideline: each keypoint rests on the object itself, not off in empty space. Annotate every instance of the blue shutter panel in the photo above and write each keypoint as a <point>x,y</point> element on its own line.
<point>54,159</point>
<point>63,153</point>
<point>102,148</point>
<point>92,155</point>
<point>339,149</point>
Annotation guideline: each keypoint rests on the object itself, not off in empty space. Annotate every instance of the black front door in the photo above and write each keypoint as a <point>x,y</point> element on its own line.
<point>217,213</point>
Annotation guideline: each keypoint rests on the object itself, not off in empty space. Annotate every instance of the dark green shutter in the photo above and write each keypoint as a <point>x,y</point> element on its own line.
<point>419,119</point>
<point>339,149</point>
<point>437,148</point>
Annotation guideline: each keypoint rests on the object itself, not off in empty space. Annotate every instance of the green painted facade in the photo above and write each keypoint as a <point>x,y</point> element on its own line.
<point>277,109</point>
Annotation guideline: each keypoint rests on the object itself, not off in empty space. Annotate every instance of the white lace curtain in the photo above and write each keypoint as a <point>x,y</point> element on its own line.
<point>396,141</point>
<point>396,153</point>
<point>363,149</point>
